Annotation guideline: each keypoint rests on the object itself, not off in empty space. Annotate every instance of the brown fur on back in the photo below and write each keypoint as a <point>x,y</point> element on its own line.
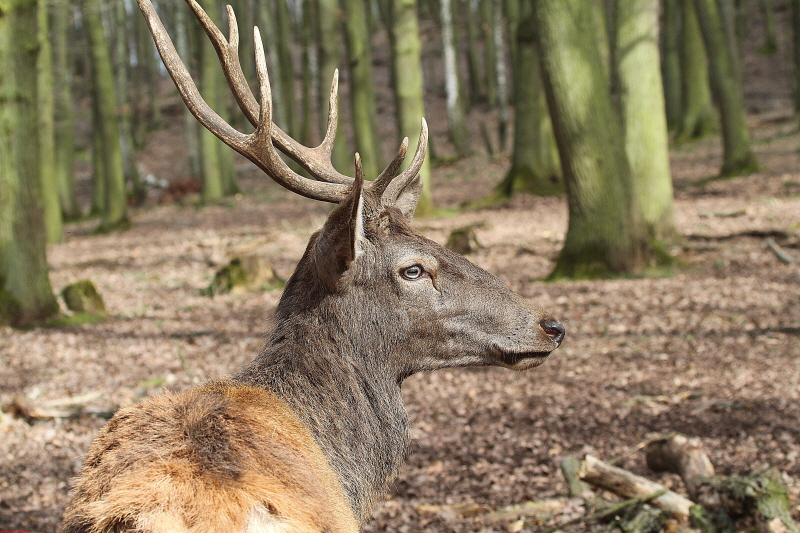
<point>222,458</point>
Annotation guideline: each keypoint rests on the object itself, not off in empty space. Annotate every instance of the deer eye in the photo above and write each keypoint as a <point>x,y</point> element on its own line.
<point>413,272</point>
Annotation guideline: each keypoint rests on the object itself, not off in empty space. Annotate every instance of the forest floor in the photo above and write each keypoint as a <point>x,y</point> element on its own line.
<point>710,348</point>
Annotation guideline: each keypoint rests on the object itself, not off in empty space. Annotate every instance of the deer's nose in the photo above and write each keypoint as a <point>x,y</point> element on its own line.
<point>553,329</point>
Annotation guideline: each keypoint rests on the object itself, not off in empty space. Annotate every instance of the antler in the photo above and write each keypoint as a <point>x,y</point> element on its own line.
<point>328,184</point>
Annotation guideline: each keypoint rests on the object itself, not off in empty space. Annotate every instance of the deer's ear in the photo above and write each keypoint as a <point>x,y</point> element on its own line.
<point>408,197</point>
<point>341,240</point>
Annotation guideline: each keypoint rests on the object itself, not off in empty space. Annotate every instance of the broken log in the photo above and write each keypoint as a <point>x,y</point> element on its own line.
<point>762,494</point>
<point>628,485</point>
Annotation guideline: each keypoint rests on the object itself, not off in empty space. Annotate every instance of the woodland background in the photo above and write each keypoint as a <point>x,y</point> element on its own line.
<point>705,344</point>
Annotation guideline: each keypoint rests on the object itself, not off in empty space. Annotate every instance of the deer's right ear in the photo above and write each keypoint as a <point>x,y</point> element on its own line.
<point>341,240</point>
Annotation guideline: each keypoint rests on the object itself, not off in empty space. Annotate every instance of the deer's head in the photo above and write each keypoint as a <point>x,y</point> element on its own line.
<point>367,264</point>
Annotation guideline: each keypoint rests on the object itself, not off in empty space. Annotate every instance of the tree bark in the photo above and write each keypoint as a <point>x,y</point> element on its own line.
<point>604,234</point>
<point>25,291</point>
<point>409,87</point>
<point>455,107</point>
<point>535,166</point>
<point>643,115</point>
<point>477,80</point>
<point>64,132</point>
<point>362,93</point>
<point>54,226</point>
<point>670,61</point>
<point>106,132</point>
<point>698,117</point>
<point>329,17</point>
<point>738,156</point>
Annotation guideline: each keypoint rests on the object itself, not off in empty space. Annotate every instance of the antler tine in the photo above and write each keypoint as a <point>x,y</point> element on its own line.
<point>257,147</point>
<point>317,161</point>
<point>396,185</point>
<point>388,174</point>
<point>183,81</point>
<point>262,153</point>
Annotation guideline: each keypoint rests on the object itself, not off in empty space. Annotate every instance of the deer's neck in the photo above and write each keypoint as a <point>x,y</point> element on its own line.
<point>351,405</point>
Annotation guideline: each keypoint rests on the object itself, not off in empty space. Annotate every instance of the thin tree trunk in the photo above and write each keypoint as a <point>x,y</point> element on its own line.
<point>698,117</point>
<point>25,291</point>
<point>287,113</point>
<point>489,54</point>
<point>328,18</point>
<point>211,163</point>
<point>362,94</point>
<point>796,51</point>
<point>670,61</point>
<point>738,157</point>
<point>114,213</point>
<point>770,39</point>
<point>604,234</point>
<point>643,116</point>
<point>535,166</point>
<point>409,86</point>
<point>124,104</point>
<point>477,80</point>
<point>64,131</point>
<point>54,226</point>
<point>455,107</point>
<point>191,126</point>
<point>500,72</point>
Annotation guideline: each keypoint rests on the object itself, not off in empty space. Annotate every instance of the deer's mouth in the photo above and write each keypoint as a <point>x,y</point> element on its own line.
<point>520,360</point>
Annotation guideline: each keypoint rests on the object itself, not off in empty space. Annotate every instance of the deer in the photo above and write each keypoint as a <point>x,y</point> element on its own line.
<point>309,435</point>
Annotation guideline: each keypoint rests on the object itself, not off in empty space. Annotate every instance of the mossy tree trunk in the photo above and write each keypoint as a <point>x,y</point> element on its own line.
<point>477,80</point>
<point>698,117</point>
<point>64,132</point>
<point>738,156</point>
<point>604,233</point>
<point>409,87</point>
<point>54,226</point>
<point>216,159</point>
<point>190,125</point>
<point>535,165</point>
<point>362,92</point>
<point>670,61</point>
<point>330,58</point>
<point>109,166</point>
<point>642,108</point>
<point>122,62</point>
<point>25,291</point>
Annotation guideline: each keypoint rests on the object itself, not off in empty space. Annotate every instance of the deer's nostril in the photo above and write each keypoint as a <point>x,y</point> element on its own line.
<point>553,329</point>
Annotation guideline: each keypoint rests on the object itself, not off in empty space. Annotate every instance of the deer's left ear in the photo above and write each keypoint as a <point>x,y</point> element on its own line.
<point>341,240</point>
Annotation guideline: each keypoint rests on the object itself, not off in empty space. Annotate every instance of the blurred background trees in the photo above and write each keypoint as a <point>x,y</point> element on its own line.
<point>578,97</point>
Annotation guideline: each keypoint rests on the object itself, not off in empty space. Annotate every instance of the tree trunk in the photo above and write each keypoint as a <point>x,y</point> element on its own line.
<point>107,131</point>
<point>362,93</point>
<point>329,20</point>
<point>54,226</point>
<point>500,72</point>
<point>796,51</point>
<point>670,61</point>
<point>477,81</point>
<point>698,117</point>
<point>455,107</point>
<point>64,132</point>
<point>738,156</point>
<point>535,167</point>
<point>25,291</point>
<point>190,124</point>
<point>409,87</point>
<point>604,233</point>
<point>489,53</point>
<point>210,154</point>
<point>643,116</point>
<point>770,39</point>
<point>287,112</point>
<point>124,104</point>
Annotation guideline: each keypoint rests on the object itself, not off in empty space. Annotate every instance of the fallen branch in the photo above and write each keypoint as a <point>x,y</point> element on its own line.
<point>779,252</point>
<point>628,485</point>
